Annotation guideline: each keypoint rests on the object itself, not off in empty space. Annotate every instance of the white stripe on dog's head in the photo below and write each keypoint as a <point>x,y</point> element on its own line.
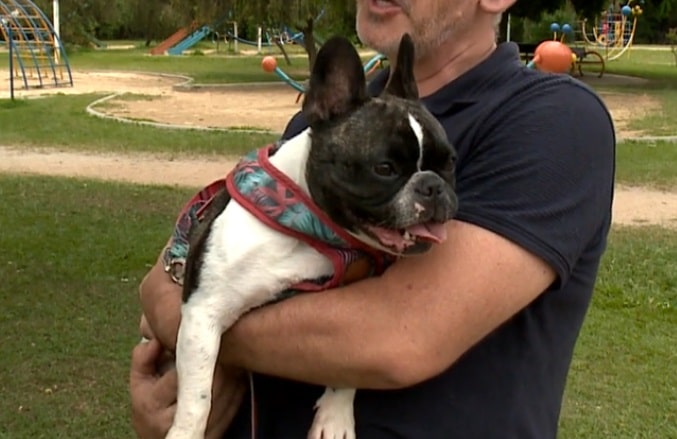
<point>418,132</point>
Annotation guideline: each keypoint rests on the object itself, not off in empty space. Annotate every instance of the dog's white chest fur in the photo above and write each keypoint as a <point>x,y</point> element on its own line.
<point>242,247</point>
<point>246,264</point>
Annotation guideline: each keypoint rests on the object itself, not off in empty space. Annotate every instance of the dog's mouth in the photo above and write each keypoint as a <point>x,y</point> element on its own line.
<point>400,239</point>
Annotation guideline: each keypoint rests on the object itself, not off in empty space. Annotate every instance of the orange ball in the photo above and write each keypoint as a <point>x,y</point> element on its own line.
<point>553,56</point>
<point>269,64</point>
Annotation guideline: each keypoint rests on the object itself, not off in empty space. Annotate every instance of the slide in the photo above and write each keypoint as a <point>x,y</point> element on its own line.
<point>190,40</point>
<point>95,41</point>
<point>176,37</point>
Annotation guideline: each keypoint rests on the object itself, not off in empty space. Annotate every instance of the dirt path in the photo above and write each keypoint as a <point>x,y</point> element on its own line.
<point>173,100</point>
<point>632,205</point>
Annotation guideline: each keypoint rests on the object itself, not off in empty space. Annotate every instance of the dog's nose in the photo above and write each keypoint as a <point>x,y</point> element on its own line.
<point>430,187</point>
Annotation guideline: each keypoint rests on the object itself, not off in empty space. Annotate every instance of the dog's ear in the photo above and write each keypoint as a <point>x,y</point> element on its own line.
<point>402,82</point>
<point>337,82</point>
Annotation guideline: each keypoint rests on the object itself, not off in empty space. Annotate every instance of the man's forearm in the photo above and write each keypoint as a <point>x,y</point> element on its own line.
<point>319,338</point>
<point>296,339</point>
<point>389,332</point>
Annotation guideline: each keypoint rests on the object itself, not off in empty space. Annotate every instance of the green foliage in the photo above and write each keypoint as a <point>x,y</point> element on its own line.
<point>534,9</point>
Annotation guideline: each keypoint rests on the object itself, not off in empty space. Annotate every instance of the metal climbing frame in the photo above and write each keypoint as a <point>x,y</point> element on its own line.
<point>39,59</point>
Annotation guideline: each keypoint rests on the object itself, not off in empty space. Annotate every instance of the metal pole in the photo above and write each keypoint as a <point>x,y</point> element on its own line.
<point>11,60</point>
<point>258,40</point>
<point>507,37</point>
<point>235,37</point>
<point>57,31</point>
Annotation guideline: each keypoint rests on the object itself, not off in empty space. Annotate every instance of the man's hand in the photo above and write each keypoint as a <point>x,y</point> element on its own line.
<point>153,395</point>
<point>153,388</point>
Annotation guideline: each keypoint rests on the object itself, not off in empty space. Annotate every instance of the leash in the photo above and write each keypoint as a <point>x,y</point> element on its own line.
<point>252,403</point>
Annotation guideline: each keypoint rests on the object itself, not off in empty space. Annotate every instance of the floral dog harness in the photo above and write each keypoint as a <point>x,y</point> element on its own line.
<point>278,202</point>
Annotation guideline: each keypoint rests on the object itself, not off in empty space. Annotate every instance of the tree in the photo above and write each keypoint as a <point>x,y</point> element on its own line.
<point>535,8</point>
<point>305,16</point>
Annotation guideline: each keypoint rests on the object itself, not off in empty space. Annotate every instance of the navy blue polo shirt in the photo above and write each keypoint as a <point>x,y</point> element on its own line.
<point>535,165</point>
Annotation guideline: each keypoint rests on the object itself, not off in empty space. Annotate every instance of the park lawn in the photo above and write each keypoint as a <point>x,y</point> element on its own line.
<point>61,122</point>
<point>622,379</point>
<point>212,68</point>
<point>660,68</point>
<point>75,252</point>
<point>657,65</point>
<point>651,164</point>
<point>663,122</point>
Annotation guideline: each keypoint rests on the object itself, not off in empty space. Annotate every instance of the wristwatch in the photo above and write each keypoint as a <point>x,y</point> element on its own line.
<point>175,268</point>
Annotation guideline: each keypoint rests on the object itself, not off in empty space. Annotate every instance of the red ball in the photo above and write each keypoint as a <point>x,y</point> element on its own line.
<point>553,56</point>
<point>269,64</point>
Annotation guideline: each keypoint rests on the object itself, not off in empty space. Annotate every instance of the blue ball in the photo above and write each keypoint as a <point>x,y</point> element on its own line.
<point>567,29</point>
<point>626,10</point>
<point>554,27</point>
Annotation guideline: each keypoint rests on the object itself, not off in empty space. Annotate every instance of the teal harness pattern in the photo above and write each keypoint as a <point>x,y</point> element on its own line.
<point>277,201</point>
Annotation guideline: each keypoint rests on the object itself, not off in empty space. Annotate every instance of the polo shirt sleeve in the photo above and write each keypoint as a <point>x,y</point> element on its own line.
<point>295,126</point>
<point>540,173</point>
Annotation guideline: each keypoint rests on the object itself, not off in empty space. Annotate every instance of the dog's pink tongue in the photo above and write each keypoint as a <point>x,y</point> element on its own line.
<point>435,232</point>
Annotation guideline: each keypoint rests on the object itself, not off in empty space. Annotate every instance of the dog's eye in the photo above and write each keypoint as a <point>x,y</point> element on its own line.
<point>384,169</point>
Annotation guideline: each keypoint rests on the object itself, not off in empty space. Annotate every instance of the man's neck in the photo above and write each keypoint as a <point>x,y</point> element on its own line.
<point>453,58</point>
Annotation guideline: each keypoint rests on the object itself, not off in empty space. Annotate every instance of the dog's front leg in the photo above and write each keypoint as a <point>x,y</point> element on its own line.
<point>197,347</point>
<point>334,417</point>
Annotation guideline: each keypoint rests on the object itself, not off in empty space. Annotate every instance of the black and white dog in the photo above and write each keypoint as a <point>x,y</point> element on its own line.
<point>375,174</point>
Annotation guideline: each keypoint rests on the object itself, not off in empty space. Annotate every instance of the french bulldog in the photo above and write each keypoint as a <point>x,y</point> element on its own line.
<point>370,176</point>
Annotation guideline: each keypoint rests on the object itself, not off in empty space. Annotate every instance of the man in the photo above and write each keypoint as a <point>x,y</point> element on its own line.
<point>473,340</point>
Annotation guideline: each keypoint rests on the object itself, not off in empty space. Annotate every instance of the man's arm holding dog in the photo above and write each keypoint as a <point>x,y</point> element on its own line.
<point>389,332</point>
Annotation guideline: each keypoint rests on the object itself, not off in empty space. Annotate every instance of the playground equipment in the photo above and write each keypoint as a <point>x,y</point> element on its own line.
<point>186,37</point>
<point>269,64</point>
<point>554,56</point>
<point>190,40</point>
<point>37,57</point>
<point>615,32</point>
<point>173,39</point>
<point>557,57</point>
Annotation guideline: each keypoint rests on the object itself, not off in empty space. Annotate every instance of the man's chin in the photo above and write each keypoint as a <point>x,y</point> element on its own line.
<point>379,34</point>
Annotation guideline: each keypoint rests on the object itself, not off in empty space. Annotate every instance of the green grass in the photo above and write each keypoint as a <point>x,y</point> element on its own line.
<point>657,65</point>
<point>204,69</point>
<point>73,255</point>
<point>75,251</point>
<point>61,122</point>
<point>648,164</point>
<point>659,123</point>
<point>622,382</point>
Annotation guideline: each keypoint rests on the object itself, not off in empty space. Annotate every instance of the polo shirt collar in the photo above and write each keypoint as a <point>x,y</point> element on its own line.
<point>470,87</point>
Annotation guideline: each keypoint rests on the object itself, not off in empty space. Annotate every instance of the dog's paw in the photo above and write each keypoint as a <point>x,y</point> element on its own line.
<point>183,433</point>
<point>334,417</point>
